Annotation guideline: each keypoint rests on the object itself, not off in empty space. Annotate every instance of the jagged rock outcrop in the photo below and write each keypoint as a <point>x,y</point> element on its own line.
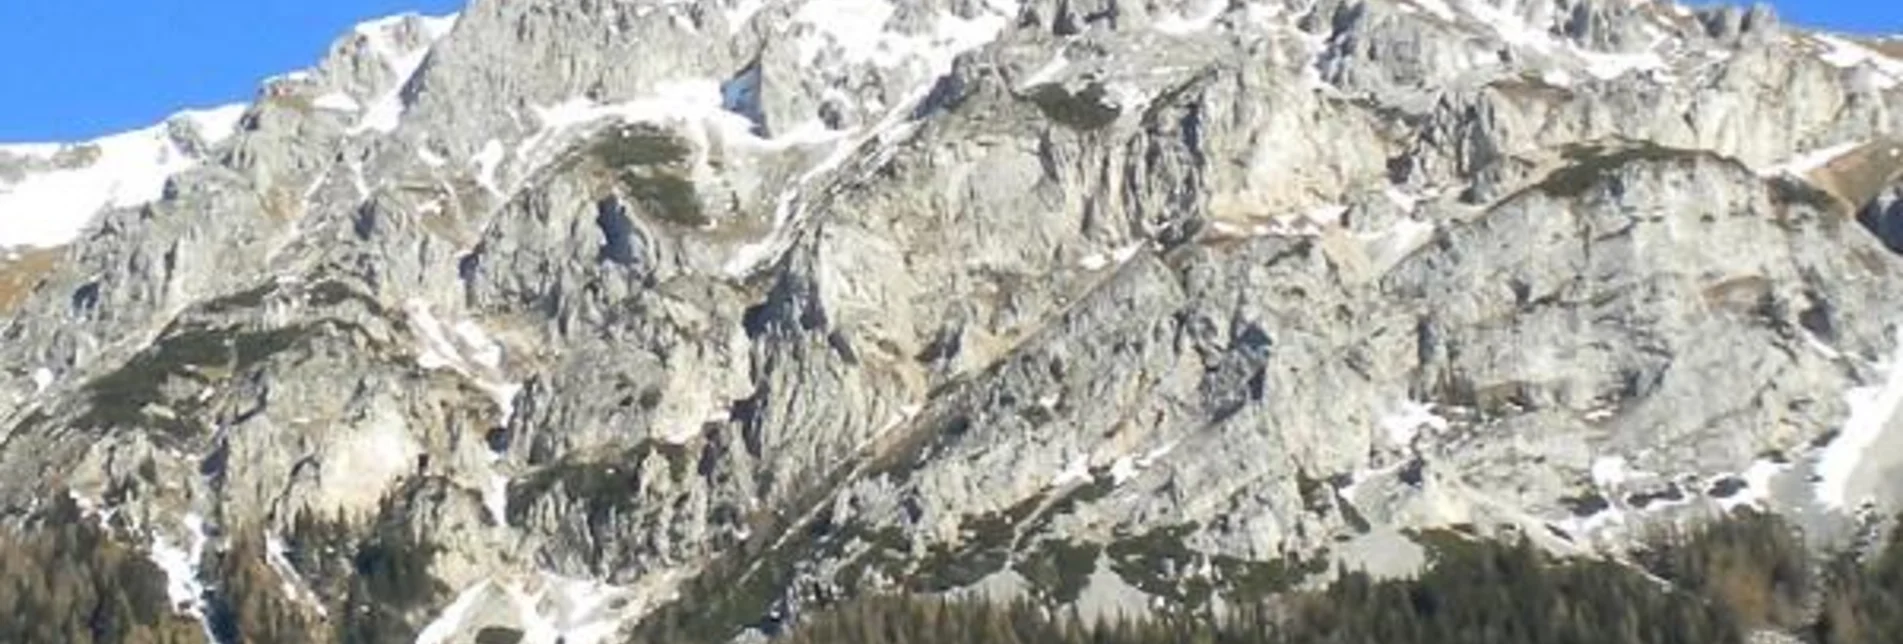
<point>574,310</point>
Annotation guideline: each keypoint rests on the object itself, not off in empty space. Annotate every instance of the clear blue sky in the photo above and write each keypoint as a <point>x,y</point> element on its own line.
<point>1856,16</point>
<point>73,69</point>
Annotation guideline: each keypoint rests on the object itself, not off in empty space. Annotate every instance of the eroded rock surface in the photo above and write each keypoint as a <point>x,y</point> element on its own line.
<point>566,311</point>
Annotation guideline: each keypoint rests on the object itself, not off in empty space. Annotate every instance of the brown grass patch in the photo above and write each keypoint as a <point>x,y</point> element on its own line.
<point>18,277</point>
<point>1747,294</point>
<point>282,204</point>
<point>1530,88</point>
<point>1892,47</point>
<point>1862,174</point>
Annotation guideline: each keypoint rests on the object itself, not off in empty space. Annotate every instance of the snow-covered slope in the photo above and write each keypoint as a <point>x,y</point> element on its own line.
<point>50,192</point>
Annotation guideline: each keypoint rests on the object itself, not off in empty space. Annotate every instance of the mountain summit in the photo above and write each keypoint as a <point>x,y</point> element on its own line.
<point>543,317</point>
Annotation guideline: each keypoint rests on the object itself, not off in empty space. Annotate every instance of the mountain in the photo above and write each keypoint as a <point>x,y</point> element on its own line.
<point>532,321</point>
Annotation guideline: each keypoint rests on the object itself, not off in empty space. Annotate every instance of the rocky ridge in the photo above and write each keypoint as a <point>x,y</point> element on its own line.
<point>586,308</point>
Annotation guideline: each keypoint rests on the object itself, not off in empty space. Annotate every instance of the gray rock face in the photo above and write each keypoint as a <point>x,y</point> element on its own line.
<point>754,304</point>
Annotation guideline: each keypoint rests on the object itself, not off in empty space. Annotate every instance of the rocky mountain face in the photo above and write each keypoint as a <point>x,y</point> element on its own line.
<point>534,322</point>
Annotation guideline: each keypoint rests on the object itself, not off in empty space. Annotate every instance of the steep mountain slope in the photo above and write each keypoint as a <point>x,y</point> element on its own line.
<point>544,316</point>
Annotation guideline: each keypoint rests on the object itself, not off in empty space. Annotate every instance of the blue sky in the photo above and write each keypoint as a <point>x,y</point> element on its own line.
<point>1861,16</point>
<point>74,69</point>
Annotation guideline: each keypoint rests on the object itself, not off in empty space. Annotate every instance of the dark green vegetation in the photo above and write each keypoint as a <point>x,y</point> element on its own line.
<point>186,360</point>
<point>1090,108</point>
<point>1589,165</point>
<point>601,486</point>
<point>1713,585</point>
<point>159,387</point>
<point>649,165</point>
<point>373,581</point>
<point>1753,567</point>
<point>251,604</point>
<point>1058,571</point>
<point>1786,192</point>
<point>1532,87</point>
<point>1863,600</point>
<point>64,580</point>
<point>1161,565</point>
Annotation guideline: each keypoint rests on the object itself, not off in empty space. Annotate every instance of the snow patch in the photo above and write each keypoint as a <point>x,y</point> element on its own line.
<point>1517,32</point>
<point>91,508</point>
<point>1757,480</point>
<point>1078,471</point>
<point>855,29</point>
<point>1127,467</point>
<point>403,60</point>
<point>293,584</point>
<point>357,179</point>
<point>1326,214</point>
<point>483,350</point>
<point>42,380</point>
<point>1871,409</point>
<point>436,27</point>
<point>570,611</point>
<point>216,124</point>
<point>905,413</point>
<point>1390,245</point>
<point>1402,199</point>
<point>1849,55</point>
<point>1403,425</point>
<point>182,585</point>
<point>1046,73</point>
<point>1598,521</point>
<point>466,349</point>
<point>741,12</point>
<point>693,105</point>
<point>1438,8</point>
<point>790,211</point>
<point>495,497</point>
<point>487,160</point>
<point>447,625</point>
<point>1606,66</point>
<point>430,157</point>
<point>1818,345</point>
<point>547,609</point>
<point>1804,163</point>
<point>1099,261</point>
<point>1157,454</point>
<point>1180,25</point>
<point>1557,77</point>
<point>1511,28</point>
<point>337,102</point>
<point>1608,471</point>
<point>1227,229</point>
<point>51,207</point>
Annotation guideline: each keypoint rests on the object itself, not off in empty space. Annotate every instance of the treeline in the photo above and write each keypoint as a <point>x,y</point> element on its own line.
<point>63,579</point>
<point>374,587</point>
<point>1478,593</point>
<point>1863,600</point>
<point>1718,584</point>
